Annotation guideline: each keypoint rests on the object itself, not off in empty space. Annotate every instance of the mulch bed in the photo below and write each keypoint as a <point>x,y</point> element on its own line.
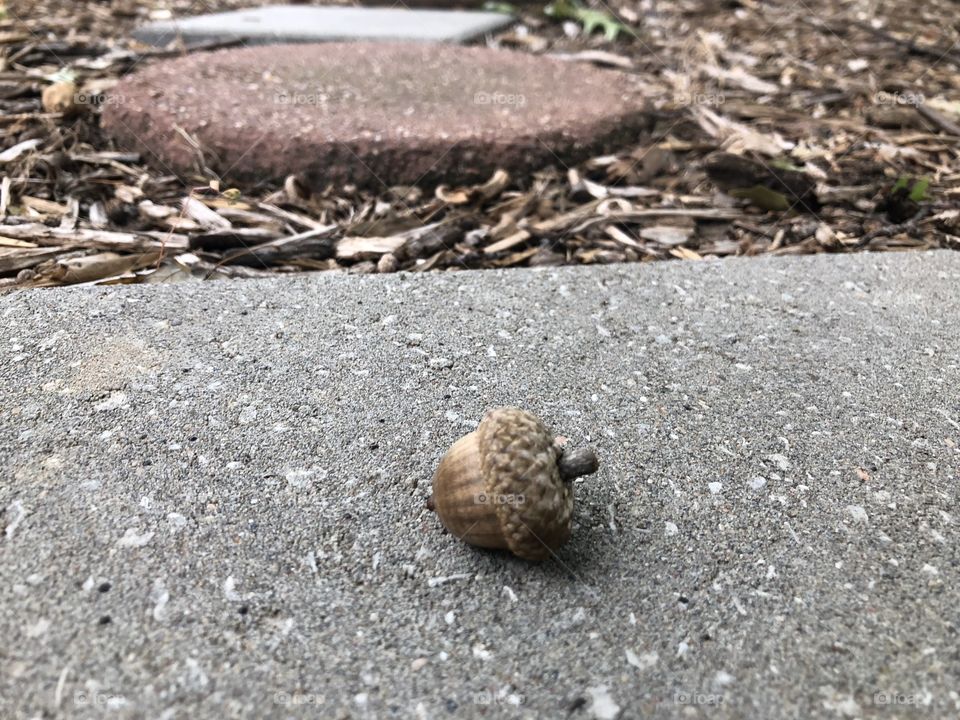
<point>777,128</point>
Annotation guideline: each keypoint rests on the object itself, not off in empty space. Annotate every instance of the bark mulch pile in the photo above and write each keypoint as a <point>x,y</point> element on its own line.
<point>787,127</point>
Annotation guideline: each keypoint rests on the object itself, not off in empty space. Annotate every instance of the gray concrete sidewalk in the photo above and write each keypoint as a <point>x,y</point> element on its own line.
<point>214,495</point>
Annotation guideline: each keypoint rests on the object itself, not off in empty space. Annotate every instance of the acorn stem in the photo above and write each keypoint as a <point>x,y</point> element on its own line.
<point>575,463</point>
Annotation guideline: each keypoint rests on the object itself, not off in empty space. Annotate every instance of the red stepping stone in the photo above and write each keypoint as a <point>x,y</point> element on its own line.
<point>371,114</point>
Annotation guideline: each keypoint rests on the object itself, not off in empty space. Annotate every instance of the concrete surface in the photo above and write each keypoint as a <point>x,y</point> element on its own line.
<point>298,23</point>
<point>214,495</point>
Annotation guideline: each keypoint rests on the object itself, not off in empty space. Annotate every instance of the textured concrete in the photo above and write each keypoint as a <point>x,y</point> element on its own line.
<point>297,23</point>
<point>213,495</point>
<point>371,114</point>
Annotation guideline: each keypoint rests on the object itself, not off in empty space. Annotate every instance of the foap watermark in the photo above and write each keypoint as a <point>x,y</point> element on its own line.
<point>699,98</point>
<point>287,699</point>
<point>300,98</point>
<point>97,99</point>
<point>499,98</point>
<point>899,97</point>
<point>98,699</point>
<point>498,499</point>
<point>499,698</point>
<point>689,697</point>
<point>899,698</point>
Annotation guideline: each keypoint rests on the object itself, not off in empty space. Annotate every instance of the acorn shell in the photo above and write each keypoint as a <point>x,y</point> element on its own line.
<point>499,487</point>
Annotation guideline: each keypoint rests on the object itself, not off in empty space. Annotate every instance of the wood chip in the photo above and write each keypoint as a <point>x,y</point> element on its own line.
<point>363,248</point>
<point>507,243</point>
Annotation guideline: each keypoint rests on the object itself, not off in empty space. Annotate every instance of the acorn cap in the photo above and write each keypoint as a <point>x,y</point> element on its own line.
<point>501,487</point>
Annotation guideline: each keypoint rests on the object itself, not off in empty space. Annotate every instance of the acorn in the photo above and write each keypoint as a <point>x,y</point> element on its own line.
<point>61,97</point>
<point>508,485</point>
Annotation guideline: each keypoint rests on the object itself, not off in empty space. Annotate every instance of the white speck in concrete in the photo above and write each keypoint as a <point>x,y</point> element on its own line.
<point>930,569</point>
<point>757,482</point>
<point>115,702</point>
<point>160,596</point>
<point>418,664</point>
<point>230,589</point>
<point>722,679</point>
<point>16,513</point>
<point>857,513</point>
<point>842,704</point>
<point>195,678</point>
<point>602,705</point>
<point>683,648</point>
<point>116,400</point>
<point>508,591</point>
<point>450,617</point>
<point>131,538</point>
<point>440,363</point>
<point>423,553</point>
<point>435,581</point>
<point>644,661</point>
<point>301,478</point>
<point>176,521</point>
<point>38,628</point>
<point>247,415</point>
<point>481,653</point>
<point>779,460</point>
<point>715,487</point>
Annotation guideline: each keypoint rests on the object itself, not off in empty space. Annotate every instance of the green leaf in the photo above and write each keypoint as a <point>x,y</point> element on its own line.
<point>590,19</point>
<point>918,193</point>
<point>785,164</point>
<point>763,197</point>
<point>918,190</point>
<point>500,7</point>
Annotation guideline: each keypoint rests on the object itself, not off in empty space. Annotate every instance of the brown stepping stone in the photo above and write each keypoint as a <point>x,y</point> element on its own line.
<point>371,114</point>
